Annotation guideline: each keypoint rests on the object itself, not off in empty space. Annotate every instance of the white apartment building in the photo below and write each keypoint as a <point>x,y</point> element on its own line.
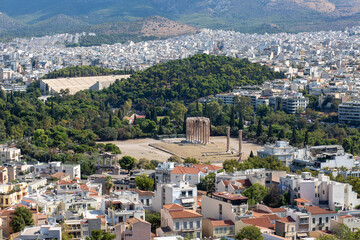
<point>289,103</point>
<point>181,193</point>
<point>349,112</point>
<point>163,171</point>
<point>10,154</point>
<point>225,206</point>
<point>281,149</point>
<point>74,170</point>
<point>121,206</point>
<point>320,191</point>
<point>44,232</point>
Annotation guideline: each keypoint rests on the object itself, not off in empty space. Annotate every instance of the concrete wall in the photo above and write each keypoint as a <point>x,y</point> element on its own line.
<point>210,209</point>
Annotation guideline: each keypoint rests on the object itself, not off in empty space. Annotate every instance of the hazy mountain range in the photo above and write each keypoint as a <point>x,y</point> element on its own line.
<point>40,16</point>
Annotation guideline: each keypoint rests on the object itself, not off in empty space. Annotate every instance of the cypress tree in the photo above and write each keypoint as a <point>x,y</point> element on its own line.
<point>251,154</point>
<point>111,122</point>
<point>281,134</point>
<point>259,129</point>
<point>270,131</point>
<point>232,117</point>
<point>241,121</point>
<point>294,137</point>
<point>120,114</point>
<point>184,124</point>
<point>306,140</point>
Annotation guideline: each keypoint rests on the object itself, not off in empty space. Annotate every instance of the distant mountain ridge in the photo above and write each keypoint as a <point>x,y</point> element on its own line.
<point>240,15</point>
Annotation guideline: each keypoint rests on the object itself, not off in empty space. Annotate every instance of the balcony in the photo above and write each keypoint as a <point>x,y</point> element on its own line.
<point>321,225</point>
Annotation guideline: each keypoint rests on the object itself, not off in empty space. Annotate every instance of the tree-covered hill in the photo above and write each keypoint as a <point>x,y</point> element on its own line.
<point>189,79</point>
<point>84,71</point>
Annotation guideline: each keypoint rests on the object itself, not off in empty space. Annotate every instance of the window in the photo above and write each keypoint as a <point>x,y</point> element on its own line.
<point>183,194</point>
<point>314,229</point>
<point>189,177</point>
<point>320,220</point>
<point>177,226</point>
<point>313,220</point>
<point>327,219</point>
<point>198,224</point>
<point>216,231</point>
<point>198,235</point>
<point>191,225</point>
<point>85,233</point>
<point>327,228</point>
<point>190,193</point>
<point>185,225</point>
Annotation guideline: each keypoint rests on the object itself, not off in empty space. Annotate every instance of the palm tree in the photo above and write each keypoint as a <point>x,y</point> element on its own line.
<point>109,184</point>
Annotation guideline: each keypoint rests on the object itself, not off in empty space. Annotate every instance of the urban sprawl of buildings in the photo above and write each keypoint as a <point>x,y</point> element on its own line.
<point>323,63</point>
<point>57,197</point>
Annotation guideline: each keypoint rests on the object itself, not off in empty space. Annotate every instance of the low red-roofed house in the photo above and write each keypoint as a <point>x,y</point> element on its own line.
<point>264,223</point>
<point>286,227</point>
<point>320,218</point>
<point>217,228</point>
<point>281,212</point>
<point>351,222</point>
<point>132,229</point>
<point>189,174</point>
<point>176,220</point>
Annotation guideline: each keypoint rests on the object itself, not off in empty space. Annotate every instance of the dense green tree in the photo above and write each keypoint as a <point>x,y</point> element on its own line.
<point>101,235</point>
<point>110,147</point>
<point>207,183</point>
<point>191,160</point>
<point>22,218</point>
<point>256,193</point>
<point>154,218</point>
<point>128,163</point>
<point>249,233</point>
<point>175,158</point>
<point>144,182</point>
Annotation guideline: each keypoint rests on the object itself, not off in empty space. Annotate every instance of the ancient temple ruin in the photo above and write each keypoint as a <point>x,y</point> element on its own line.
<point>198,130</point>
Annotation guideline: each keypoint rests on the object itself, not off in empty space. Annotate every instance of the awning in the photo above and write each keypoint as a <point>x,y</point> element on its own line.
<point>187,200</point>
<point>302,234</point>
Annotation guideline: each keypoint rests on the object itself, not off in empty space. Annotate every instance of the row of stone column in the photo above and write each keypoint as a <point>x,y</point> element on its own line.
<point>198,130</point>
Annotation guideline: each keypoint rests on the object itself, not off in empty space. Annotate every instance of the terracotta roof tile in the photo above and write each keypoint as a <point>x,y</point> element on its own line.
<point>244,182</point>
<point>259,222</point>
<point>184,214</point>
<point>315,210</point>
<point>286,219</point>
<point>275,210</point>
<point>135,220</point>
<point>208,166</point>
<point>173,207</point>
<point>186,170</point>
<point>218,223</point>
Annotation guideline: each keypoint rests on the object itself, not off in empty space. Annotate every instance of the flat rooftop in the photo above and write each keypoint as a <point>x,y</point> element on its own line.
<point>81,83</point>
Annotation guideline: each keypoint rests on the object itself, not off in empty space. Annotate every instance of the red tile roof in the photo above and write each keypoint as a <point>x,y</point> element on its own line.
<point>244,182</point>
<point>315,210</point>
<point>184,214</point>
<point>259,222</point>
<point>218,223</point>
<point>186,170</point>
<point>286,219</point>
<point>276,210</point>
<point>173,207</point>
<point>230,196</point>
<point>208,166</point>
